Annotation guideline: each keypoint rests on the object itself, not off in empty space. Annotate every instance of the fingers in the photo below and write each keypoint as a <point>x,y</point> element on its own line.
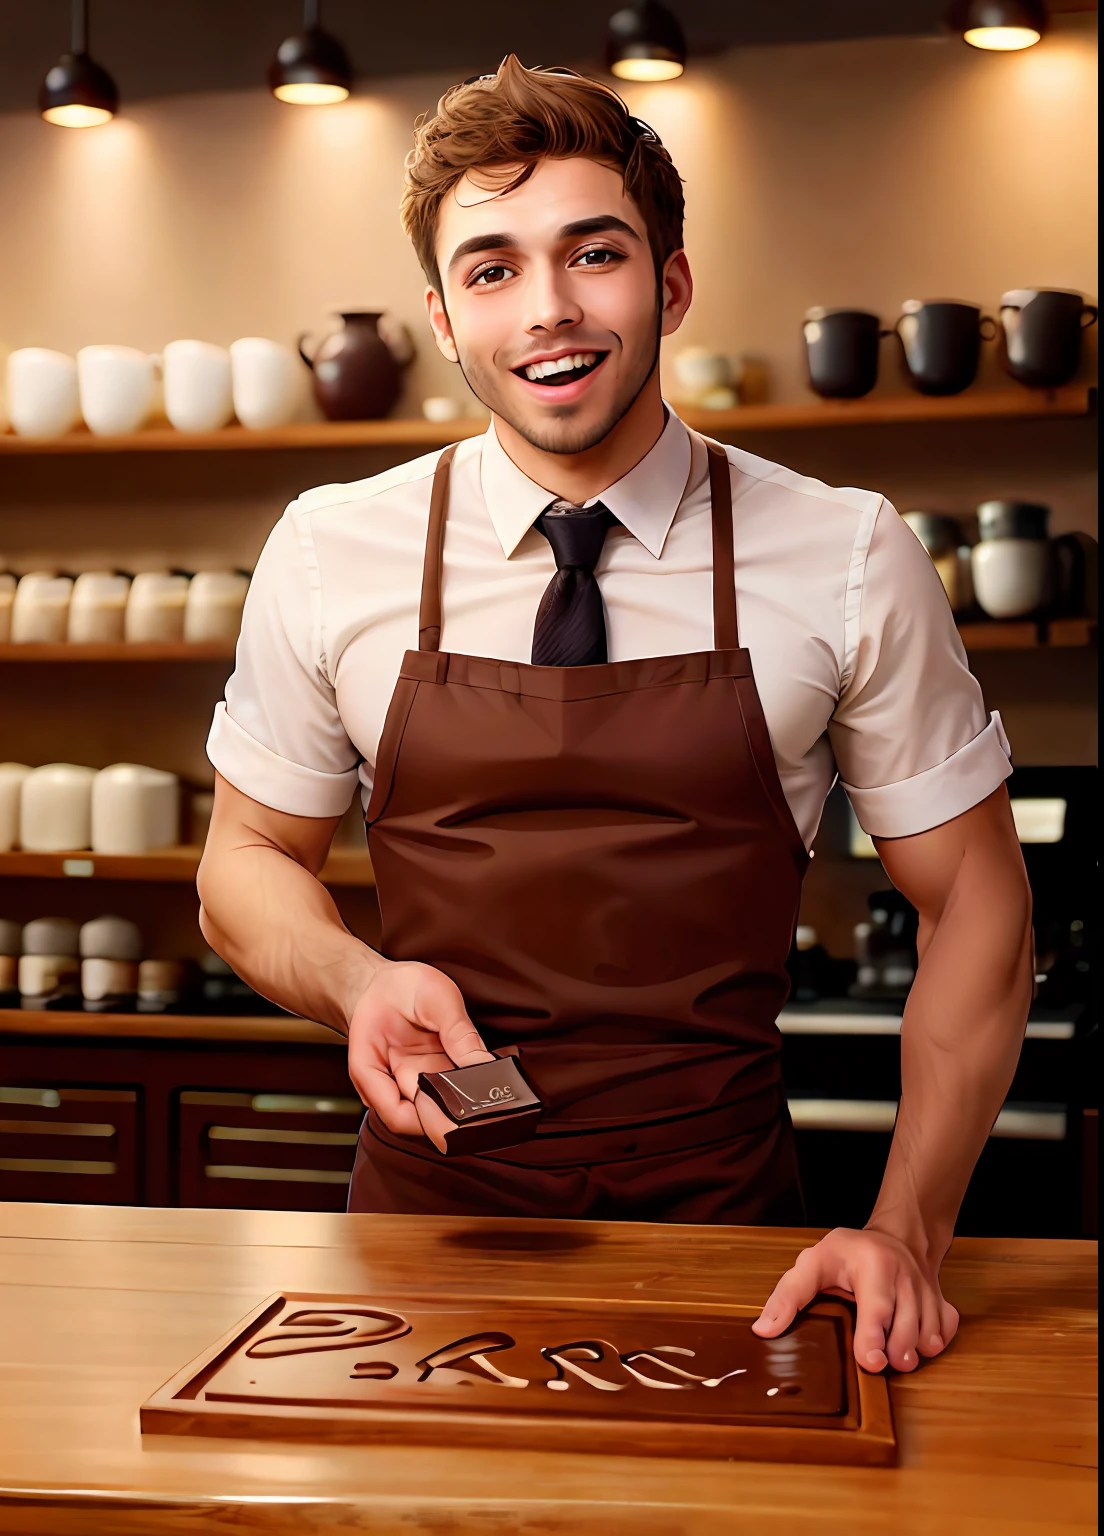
<point>930,1341</point>
<point>795,1290</point>
<point>949,1318</point>
<point>901,1346</point>
<point>874,1302</point>
<point>439,1005</point>
<point>379,1090</point>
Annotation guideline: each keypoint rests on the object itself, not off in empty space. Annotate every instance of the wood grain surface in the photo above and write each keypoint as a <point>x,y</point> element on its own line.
<point>100,1307</point>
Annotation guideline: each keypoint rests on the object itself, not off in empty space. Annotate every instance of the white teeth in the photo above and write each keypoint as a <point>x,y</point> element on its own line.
<point>537,371</point>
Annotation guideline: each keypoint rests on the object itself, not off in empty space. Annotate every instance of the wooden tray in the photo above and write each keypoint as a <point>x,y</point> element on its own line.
<point>621,1378</point>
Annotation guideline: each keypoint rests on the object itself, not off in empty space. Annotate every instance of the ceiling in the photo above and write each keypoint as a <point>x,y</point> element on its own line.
<point>164,47</point>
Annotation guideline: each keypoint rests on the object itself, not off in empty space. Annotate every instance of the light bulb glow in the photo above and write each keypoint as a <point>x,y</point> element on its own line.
<point>311,93</point>
<point>76,115</point>
<point>1001,39</point>
<point>647,69</point>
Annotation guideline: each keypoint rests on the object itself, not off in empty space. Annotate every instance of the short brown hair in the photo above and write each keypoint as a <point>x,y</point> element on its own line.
<point>519,117</point>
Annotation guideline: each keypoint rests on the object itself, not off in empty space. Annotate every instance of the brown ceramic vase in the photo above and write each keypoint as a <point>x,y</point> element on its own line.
<point>356,377</point>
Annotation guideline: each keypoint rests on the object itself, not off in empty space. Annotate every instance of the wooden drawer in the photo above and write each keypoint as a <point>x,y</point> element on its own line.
<point>265,1150</point>
<point>68,1144</point>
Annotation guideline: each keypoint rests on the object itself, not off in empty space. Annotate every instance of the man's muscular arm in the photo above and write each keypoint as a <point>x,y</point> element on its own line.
<point>960,1040</point>
<point>263,909</point>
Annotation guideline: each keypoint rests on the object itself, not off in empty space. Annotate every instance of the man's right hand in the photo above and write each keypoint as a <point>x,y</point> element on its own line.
<point>410,1019</point>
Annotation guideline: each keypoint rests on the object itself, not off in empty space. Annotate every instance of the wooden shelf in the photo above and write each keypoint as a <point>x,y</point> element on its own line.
<point>169,651</point>
<point>269,1029</point>
<point>879,410</point>
<point>345,866</point>
<point>1028,635</point>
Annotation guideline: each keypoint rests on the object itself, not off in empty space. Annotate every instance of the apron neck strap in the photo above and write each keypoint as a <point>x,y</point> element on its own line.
<point>429,614</point>
<point>725,632</point>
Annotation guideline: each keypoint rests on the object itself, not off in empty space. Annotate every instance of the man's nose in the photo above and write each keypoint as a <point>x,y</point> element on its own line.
<point>552,305</point>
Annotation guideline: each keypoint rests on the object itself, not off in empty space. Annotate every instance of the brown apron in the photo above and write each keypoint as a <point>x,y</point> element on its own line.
<point>603,861</point>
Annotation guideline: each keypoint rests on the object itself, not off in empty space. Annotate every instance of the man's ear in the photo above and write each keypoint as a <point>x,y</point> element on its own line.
<point>440,325</point>
<point>676,291</point>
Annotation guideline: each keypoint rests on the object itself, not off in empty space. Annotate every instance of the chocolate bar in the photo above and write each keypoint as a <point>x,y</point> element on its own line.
<point>491,1106</point>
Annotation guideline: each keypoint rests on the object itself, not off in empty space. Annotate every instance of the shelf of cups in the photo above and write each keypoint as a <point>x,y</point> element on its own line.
<point>254,1029</point>
<point>983,635</point>
<point>344,867</point>
<point>885,410</point>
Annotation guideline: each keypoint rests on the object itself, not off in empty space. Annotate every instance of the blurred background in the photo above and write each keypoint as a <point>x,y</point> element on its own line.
<point>891,217</point>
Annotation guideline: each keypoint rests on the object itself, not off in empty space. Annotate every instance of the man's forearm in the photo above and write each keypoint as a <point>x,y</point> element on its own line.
<point>960,1040</point>
<point>277,925</point>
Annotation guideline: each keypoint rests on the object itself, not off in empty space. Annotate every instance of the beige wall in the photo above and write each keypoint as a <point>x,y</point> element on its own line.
<point>856,172</point>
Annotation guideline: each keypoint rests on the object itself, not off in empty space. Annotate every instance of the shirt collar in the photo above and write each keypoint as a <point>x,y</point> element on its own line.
<point>644,501</point>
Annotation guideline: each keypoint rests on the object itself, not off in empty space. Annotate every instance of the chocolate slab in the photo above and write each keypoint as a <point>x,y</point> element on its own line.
<point>619,1377</point>
<point>490,1104</point>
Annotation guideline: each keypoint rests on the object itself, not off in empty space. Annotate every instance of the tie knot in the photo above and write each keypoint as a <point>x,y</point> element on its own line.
<point>576,534</point>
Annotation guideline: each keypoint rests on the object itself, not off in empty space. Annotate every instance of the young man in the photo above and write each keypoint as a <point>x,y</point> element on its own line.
<point>595,677</point>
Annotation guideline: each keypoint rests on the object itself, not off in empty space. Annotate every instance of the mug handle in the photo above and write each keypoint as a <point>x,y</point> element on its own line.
<point>304,355</point>
<point>1091,311</point>
<point>983,322</point>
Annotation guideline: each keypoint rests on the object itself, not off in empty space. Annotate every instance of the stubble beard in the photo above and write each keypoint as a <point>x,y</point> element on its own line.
<point>560,435</point>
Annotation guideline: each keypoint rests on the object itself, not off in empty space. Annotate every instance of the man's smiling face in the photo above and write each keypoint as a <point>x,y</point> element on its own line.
<point>550,300</point>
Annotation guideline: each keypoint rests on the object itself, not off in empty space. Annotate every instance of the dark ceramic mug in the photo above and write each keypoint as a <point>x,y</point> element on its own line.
<point>1041,334</point>
<point>941,343</point>
<point>841,351</point>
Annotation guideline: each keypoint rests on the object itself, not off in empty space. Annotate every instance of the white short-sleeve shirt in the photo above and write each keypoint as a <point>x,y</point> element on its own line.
<point>855,653</point>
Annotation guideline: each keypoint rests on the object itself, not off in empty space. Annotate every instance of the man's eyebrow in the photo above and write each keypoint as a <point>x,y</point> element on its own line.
<point>479,243</point>
<point>601,224</point>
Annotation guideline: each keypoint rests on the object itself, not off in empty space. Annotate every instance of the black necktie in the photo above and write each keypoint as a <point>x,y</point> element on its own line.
<point>570,630</point>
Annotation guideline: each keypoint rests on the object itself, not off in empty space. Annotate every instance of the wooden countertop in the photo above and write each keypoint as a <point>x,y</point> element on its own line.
<point>100,1306</point>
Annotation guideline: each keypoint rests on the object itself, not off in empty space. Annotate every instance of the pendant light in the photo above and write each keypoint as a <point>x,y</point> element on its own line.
<point>645,42</point>
<point>311,69</point>
<point>1001,26</point>
<point>78,92</point>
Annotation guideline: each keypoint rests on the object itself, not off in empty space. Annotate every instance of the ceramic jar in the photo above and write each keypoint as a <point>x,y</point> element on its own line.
<point>1041,334</point>
<point>267,382</point>
<point>841,352</point>
<point>155,608</point>
<point>110,949</point>
<point>356,374</point>
<point>118,387</point>
<point>213,608</point>
<point>49,966</point>
<point>12,777</point>
<point>941,343</point>
<point>1011,563</point>
<point>134,809</point>
<point>97,608</point>
<point>43,395</point>
<point>162,985</point>
<point>55,813</point>
<point>198,392</point>
<point>40,610</point>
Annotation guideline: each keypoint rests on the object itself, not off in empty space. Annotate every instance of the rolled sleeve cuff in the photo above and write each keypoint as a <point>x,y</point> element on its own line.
<point>939,794</point>
<point>272,780</point>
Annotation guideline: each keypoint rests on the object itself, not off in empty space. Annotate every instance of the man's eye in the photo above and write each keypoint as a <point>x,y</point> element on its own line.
<point>491,275</point>
<point>599,258</point>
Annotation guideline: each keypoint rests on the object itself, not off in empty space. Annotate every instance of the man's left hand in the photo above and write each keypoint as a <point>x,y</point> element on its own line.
<point>901,1311</point>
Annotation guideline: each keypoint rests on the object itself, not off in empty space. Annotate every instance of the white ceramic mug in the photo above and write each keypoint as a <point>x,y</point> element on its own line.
<point>1011,576</point>
<point>43,397</point>
<point>198,395</point>
<point>213,608</point>
<point>12,776</point>
<point>267,380</point>
<point>55,812</point>
<point>40,611</point>
<point>97,608</point>
<point>118,386</point>
<point>155,608</point>
<point>134,809</point>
